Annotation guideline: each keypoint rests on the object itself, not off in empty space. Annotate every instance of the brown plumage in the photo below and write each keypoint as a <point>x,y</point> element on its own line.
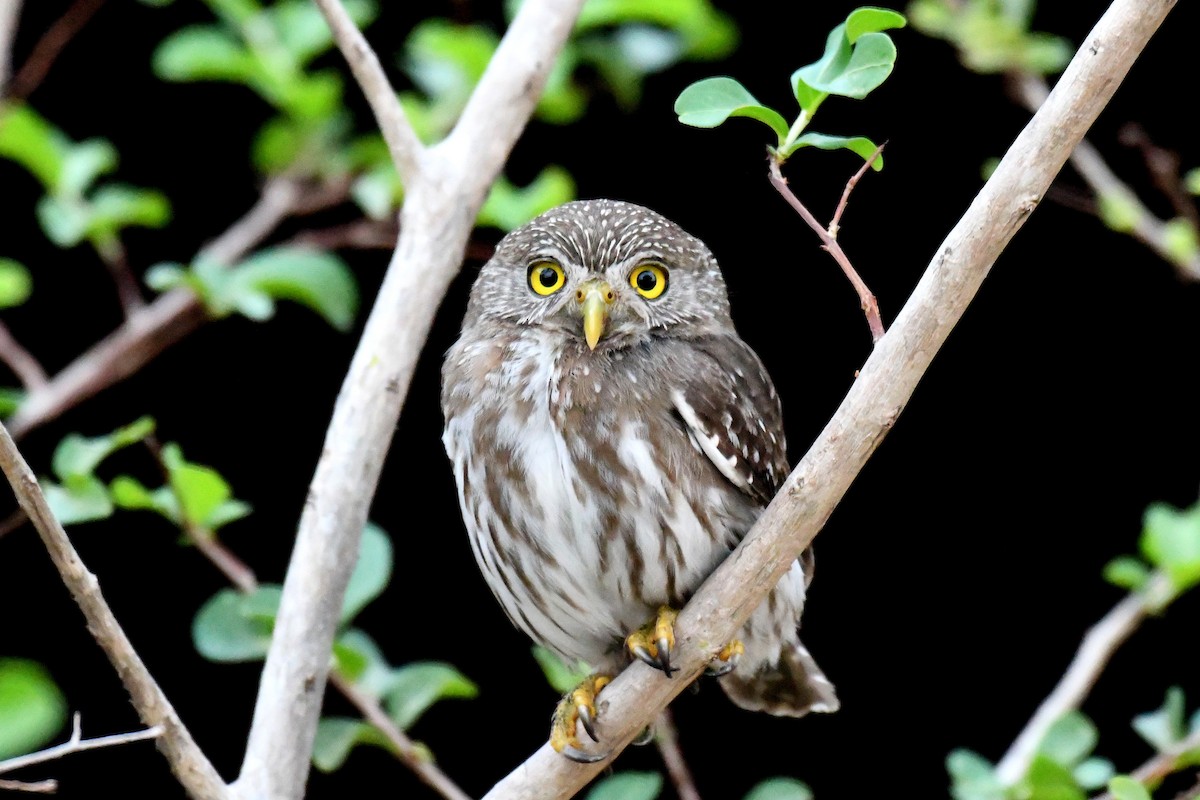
<point>600,483</point>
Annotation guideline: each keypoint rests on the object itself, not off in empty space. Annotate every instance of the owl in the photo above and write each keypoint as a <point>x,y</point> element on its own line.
<point>613,439</point>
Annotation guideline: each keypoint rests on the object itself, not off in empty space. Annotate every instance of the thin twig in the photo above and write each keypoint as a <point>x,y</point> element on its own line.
<point>23,364</point>
<point>191,767</point>
<point>49,786</point>
<point>406,149</point>
<point>1098,646</point>
<point>1147,228</point>
<point>77,744</point>
<point>836,223</point>
<point>866,299</point>
<point>13,521</point>
<point>48,48</point>
<point>1169,761</point>
<point>404,748</point>
<point>666,738</point>
<point>875,400</point>
<point>361,234</point>
<point>10,10</point>
<point>129,293</point>
<point>1163,166</point>
<point>156,327</point>
<point>445,190</point>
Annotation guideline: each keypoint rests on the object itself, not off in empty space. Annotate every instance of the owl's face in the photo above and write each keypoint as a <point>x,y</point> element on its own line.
<point>605,273</point>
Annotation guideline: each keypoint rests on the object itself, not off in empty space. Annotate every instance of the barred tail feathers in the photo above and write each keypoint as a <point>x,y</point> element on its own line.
<point>793,687</point>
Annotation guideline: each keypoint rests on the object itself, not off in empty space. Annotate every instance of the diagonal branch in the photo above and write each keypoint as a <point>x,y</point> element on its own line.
<point>48,48</point>
<point>874,402</point>
<point>1098,646</point>
<point>10,10</point>
<point>191,767</point>
<point>441,203</point>
<point>402,141</point>
<point>23,364</point>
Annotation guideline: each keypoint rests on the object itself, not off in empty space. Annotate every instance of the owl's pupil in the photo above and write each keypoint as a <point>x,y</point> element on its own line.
<point>547,277</point>
<point>647,280</point>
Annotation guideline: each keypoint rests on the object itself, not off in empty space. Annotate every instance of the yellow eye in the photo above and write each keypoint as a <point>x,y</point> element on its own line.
<point>546,277</point>
<point>650,280</point>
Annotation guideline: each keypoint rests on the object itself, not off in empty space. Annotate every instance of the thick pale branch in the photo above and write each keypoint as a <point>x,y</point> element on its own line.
<point>1101,641</point>
<point>1091,166</point>
<point>441,203</point>
<point>154,328</point>
<point>401,140</point>
<point>187,761</point>
<point>875,400</point>
<point>9,11</point>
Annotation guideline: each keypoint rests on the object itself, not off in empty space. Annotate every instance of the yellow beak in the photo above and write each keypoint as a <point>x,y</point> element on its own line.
<point>594,298</point>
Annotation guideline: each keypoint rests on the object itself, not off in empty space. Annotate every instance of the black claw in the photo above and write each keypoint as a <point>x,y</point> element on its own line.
<point>663,661</point>
<point>585,716</point>
<point>578,756</point>
<point>644,655</point>
<point>717,668</point>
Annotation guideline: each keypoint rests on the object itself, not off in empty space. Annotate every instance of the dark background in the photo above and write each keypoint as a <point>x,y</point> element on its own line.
<point>956,577</point>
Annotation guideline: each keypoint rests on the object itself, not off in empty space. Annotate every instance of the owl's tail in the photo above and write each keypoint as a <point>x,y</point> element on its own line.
<point>791,688</point>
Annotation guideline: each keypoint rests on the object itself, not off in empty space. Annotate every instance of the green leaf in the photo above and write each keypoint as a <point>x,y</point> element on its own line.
<point>1120,211</point>
<point>64,220</point>
<point>780,789</point>
<point>871,19</point>
<point>708,103</point>
<point>337,736</point>
<point>445,60</point>
<point>973,777</point>
<point>1191,181</point>
<point>32,709</point>
<point>563,101</point>
<point>1070,739</point>
<point>227,512</point>
<point>83,163</point>
<point>321,281</point>
<point>371,573</point>
<point>378,192</point>
<point>28,139</point>
<point>302,28</point>
<point>204,53</point>
<point>10,400</point>
<point>849,70</point>
<point>627,786</point>
<point>201,490</point>
<point>417,686</point>
<point>128,493</point>
<point>84,499</point>
<point>80,455</point>
<point>1094,773</point>
<point>1171,541</point>
<point>233,627</point>
<point>508,207</point>
<point>1127,572</point>
<point>15,283</point>
<point>360,659</point>
<point>1047,779</point>
<point>1124,787</point>
<point>561,677</point>
<point>1180,240</point>
<point>116,206</point>
<point>1164,727</point>
<point>860,145</point>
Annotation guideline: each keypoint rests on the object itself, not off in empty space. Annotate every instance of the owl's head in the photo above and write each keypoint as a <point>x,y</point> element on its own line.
<point>607,273</point>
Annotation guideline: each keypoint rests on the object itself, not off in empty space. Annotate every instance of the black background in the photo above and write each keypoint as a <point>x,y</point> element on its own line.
<point>957,576</point>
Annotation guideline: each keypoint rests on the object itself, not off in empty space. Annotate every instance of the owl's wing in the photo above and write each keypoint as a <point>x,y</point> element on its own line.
<point>732,413</point>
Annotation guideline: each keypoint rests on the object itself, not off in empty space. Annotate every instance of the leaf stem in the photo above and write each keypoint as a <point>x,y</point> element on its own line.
<point>797,128</point>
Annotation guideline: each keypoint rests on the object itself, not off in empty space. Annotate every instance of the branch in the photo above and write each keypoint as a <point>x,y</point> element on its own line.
<point>187,761</point>
<point>874,402</point>
<point>1148,229</point>
<point>153,329</point>
<point>1163,764</point>
<point>10,10</point>
<point>407,151</point>
<point>77,744</point>
<point>47,49</point>
<point>1101,641</point>
<point>33,787</point>
<point>829,242</point>
<point>27,368</point>
<point>441,203</point>
<point>666,738</point>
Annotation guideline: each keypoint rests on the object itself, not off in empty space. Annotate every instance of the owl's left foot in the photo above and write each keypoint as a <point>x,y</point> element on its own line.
<point>726,659</point>
<point>578,707</point>
<point>653,641</point>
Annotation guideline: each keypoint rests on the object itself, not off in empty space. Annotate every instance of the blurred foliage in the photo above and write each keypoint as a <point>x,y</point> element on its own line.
<point>992,35</point>
<point>32,708</point>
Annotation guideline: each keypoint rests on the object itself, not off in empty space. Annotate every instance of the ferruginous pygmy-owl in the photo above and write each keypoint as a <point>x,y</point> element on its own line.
<point>613,439</point>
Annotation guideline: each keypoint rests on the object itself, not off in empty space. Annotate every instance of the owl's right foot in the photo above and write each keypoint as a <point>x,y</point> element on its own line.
<point>578,707</point>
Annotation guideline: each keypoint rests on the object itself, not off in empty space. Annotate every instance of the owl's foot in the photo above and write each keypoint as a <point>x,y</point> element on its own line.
<point>726,659</point>
<point>653,641</point>
<point>578,706</point>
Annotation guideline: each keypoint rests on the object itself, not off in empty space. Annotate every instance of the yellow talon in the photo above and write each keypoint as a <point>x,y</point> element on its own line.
<point>654,641</point>
<point>578,706</point>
